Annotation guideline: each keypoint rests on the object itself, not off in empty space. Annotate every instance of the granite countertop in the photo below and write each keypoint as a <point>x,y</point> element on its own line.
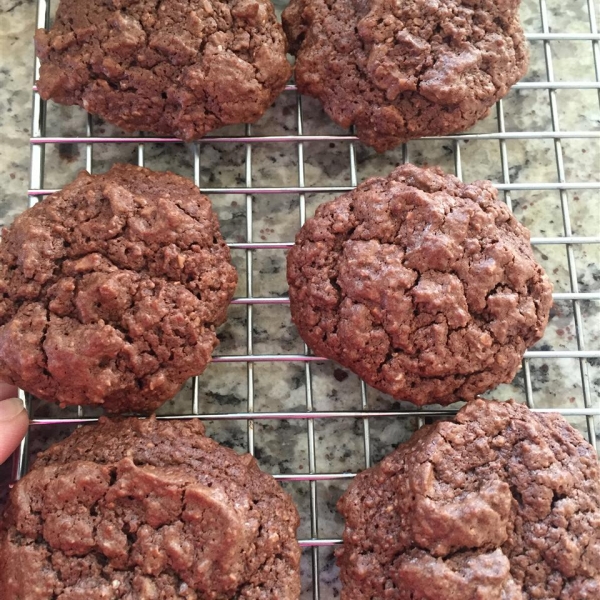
<point>282,446</point>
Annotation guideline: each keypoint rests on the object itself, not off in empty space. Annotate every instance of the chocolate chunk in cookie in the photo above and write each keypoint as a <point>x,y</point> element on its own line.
<point>501,504</point>
<point>424,286</point>
<point>176,67</point>
<point>404,70</point>
<point>111,290</point>
<point>148,509</point>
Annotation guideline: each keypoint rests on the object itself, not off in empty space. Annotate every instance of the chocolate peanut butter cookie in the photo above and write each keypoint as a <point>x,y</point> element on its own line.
<point>404,70</point>
<point>424,286</point>
<point>176,67</point>
<point>501,504</point>
<point>148,510</point>
<point>111,290</point>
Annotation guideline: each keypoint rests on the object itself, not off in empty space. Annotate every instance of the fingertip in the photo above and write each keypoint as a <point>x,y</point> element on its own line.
<point>12,432</point>
<point>8,390</point>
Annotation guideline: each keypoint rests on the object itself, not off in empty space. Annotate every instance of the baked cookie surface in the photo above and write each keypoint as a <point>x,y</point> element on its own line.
<point>176,67</point>
<point>134,509</point>
<point>112,289</point>
<point>404,70</point>
<point>502,504</point>
<point>424,286</point>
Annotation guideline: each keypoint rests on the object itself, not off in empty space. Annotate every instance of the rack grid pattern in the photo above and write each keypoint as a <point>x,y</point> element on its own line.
<point>583,354</point>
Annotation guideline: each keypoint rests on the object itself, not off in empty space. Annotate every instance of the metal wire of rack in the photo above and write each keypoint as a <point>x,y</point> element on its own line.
<point>315,586</point>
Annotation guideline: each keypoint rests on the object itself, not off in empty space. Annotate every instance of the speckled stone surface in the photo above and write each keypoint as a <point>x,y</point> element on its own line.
<point>282,446</point>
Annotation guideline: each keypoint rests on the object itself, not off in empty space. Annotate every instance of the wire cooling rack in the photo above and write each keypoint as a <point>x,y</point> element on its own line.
<point>319,574</point>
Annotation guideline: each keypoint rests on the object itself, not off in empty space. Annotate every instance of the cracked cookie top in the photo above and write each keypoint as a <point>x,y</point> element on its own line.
<point>403,70</point>
<point>174,67</point>
<point>111,290</point>
<point>424,286</point>
<point>148,509</point>
<point>501,504</point>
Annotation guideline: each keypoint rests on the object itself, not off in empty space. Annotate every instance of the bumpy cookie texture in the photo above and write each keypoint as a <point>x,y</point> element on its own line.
<point>111,290</point>
<point>501,504</point>
<point>146,510</point>
<point>175,67</point>
<point>425,287</point>
<point>403,70</point>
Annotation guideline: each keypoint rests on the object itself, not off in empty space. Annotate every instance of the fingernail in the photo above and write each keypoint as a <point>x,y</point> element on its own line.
<point>10,408</point>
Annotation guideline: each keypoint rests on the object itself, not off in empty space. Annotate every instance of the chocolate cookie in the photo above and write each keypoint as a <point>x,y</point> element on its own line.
<point>176,67</point>
<point>111,290</point>
<point>146,510</point>
<point>404,70</point>
<point>501,504</point>
<point>425,287</point>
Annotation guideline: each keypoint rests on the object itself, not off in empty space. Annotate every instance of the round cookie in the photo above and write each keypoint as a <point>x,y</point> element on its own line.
<point>424,286</point>
<point>404,70</point>
<point>176,67</point>
<point>501,504</point>
<point>111,290</point>
<point>148,509</point>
